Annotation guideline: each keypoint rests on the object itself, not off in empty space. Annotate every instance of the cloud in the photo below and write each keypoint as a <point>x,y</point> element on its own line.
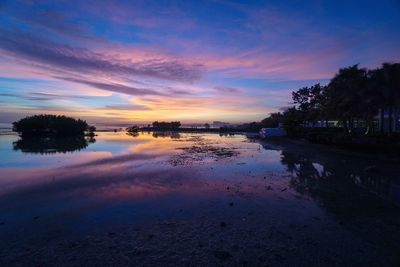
<point>40,50</point>
<point>128,107</point>
<point>42,96</point>
<point>114,87</point>
<point>225,89</point>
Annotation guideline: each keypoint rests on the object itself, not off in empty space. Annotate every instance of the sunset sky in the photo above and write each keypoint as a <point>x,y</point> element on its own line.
<point>193,61</point>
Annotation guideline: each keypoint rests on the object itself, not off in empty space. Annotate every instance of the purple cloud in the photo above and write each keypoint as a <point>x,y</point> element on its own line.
<point>39,50</point>
<point>225,89</point>
<point>113,87</point>
<point>128,107</point>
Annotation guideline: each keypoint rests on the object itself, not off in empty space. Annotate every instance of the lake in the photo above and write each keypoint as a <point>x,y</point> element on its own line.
<point>195,199</point>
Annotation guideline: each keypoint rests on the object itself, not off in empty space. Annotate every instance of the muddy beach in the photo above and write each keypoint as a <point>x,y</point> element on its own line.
<point>196,200</point>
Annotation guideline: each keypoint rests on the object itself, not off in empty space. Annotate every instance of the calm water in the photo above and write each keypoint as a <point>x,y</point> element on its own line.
<point>284,197</point>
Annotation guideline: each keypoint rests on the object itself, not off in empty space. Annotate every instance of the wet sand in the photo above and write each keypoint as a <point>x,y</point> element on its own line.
<point>198,200</point>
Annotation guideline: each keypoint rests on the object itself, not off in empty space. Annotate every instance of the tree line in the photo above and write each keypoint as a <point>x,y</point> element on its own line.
<point>173,125</point>
<point>353,98</point>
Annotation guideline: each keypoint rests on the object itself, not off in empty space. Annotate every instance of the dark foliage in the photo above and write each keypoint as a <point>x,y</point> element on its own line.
<point>51,125</point>
<point>352,99</point>
<point>173,125</point>
<point>272,121</point>
<point>132,129</point>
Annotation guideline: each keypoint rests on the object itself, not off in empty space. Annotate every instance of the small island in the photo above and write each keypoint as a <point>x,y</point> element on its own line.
<point>52,126</point>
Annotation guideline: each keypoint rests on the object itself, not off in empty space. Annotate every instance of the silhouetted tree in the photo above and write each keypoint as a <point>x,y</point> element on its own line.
<point>311,102</point>
<point>292,121</point>
<point>132,129</point>
<point>386,87</point>
<point>272,121</point>
<point>173,125</point>
<point>50,125</point>
<point>345,95</point>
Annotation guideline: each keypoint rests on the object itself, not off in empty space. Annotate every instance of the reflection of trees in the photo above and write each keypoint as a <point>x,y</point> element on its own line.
<point>226,134</point>
<point>133,134</point>
<point>338,185</point>
<point>50,145</point>
<point>349,191</point>
<point>172,135</point>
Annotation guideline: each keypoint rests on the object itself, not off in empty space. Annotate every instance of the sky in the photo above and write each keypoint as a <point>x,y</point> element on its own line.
<point>111,62</point>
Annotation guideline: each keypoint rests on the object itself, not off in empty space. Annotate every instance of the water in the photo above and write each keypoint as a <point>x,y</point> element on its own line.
<point>228,199</point>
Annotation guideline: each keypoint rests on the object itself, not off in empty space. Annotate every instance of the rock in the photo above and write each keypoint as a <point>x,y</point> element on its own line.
<point>231,204</point>
<point>36,217</point>
<point>284,189</point>
<point>2,223</point>
<point>222,224</point>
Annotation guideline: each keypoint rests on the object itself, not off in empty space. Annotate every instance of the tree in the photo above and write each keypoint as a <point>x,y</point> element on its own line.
<point>386,85</point>
<point>292,121</point>
<point>311,102</point>
<point>173,125</point>
<point>345,95</point>
<point>50,125</point>
<point>272,121</point>
<point>132,129</point>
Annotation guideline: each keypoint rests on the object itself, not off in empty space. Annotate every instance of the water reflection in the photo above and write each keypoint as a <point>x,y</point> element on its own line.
<point>51,145</point>
<point>133,134</point>
<point>172,135</point>
<point>330,179</point>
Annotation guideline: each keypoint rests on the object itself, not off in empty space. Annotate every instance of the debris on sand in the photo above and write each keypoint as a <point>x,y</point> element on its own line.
<point>284,189</point>
<point>213,151</point>
<point>202,149</point>
<point>198,153</point>
<point>222,224</point>
<point>231,204</point>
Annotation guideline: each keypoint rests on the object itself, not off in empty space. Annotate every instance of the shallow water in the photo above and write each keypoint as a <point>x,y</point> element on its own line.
<point>201,199</point>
